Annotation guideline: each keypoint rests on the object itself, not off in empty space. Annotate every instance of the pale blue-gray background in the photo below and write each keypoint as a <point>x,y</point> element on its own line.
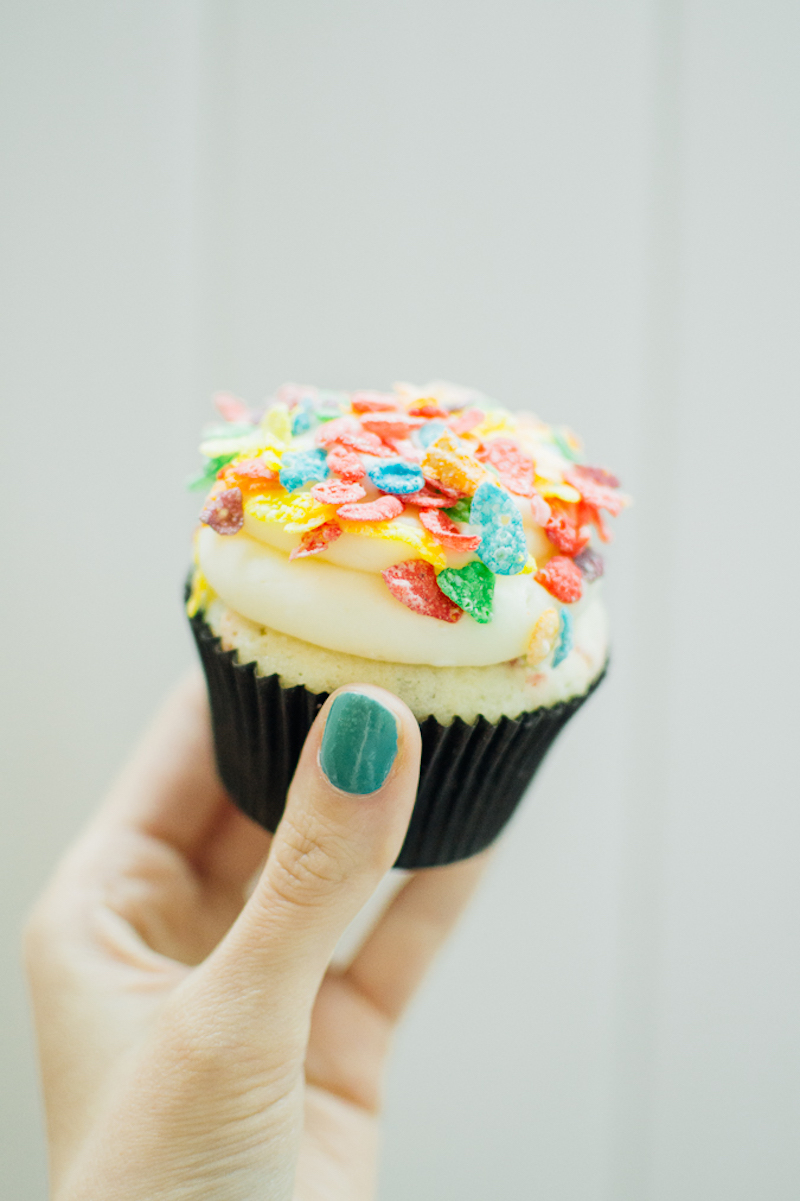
<point>588,208</point>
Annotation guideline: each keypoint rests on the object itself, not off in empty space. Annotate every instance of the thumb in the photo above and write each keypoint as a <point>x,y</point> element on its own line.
<point>346,815</point>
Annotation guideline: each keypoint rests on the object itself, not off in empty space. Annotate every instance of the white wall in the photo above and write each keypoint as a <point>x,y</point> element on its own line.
<point>585,208</point>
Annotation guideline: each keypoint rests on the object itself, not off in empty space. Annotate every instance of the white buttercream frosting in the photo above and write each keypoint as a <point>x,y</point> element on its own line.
<point>354,612</point>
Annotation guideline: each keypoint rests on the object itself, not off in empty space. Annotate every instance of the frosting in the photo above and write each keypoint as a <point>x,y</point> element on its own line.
<point>353,611</point>
<point>422,526</point>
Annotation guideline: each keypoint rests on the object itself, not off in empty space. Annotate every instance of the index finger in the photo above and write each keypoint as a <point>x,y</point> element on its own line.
<point>391,963</point>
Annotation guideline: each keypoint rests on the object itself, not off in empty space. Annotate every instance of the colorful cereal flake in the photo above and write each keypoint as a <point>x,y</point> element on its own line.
<point>503,547</point>
<point>426,406</point>
<point>414,584</point>
<point>562,579</point>
<point>540,509</point>
<point>566,638</point>
<point>255,473</point>
<point>591,564</point>
<point>600,496</point>
<point>200,594</point>
<point>396,476</point>
<point>464,423</point>
<point>316,540</point>
<point>231,408</point>
<point>373,402</point>
<point>426,499</point>
<point>472,589</point>
<point>224,512</point>
<point>391,425</point>
<point>348,432</point>
<point>460,511</point>
<point>205,478</point>
<point>382,509</point>
<point>345,463</point>
<point>430,432</point>
<point>447,532</point>
<point>299,467</point>
<point>564,530</point>
<point>337,492</point>
<point>278,423</point>
<point>296,513</point>
<point>543,637</point>
<point>303,416</point>
<point>514,468</point>
<point>447,464</point>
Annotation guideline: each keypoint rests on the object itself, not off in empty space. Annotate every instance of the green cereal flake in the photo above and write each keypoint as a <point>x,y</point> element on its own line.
<point>206,477</point>
<point>460,510</point>
<point>563,445</point>
<point>471,587</point>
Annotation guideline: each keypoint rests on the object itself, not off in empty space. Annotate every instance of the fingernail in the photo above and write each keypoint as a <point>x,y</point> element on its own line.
<point>359,745</point>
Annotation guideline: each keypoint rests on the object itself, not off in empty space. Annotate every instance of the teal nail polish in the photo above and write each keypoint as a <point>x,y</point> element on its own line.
<point>359,745</point>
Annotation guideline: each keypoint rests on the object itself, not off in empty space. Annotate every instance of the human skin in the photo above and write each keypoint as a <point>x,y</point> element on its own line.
<point>194,1040</point>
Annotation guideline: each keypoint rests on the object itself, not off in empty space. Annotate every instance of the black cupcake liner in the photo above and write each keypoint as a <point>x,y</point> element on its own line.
<point>471,779</point>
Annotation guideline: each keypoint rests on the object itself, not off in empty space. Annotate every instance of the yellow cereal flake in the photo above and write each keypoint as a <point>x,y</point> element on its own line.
<point>447,463</point>
<point>543,636</point>
<point>267,453</point>
<point>296,513</point>
<point>278,423</point>
<point>422,542</point>
<point>496,421</point>
<point>529,567</point>
<point>560,491</point>
<point>200,595</point>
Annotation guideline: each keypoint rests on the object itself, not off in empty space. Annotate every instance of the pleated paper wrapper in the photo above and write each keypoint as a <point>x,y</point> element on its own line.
<point>471,780</point>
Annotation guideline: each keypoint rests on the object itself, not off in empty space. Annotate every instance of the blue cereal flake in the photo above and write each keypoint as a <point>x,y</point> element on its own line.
<point>429,432</point>
<point>397,476</point>
<point>300,467</point>
<point>565,638</point>
<point>503,547</point>
<point>303,416</point>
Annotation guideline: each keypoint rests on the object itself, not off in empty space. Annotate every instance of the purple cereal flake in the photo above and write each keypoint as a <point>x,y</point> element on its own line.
<point>591,564</point>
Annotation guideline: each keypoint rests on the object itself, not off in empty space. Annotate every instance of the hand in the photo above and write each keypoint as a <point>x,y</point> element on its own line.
<point>194,1041</point>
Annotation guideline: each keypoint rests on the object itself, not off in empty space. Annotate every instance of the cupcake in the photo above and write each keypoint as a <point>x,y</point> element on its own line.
<point>425,540</point>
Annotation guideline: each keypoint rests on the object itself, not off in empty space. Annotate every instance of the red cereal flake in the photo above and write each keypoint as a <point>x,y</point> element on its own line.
<point>513,466</point>
<point>391,425</point>
<point>413,583</point>
<point>373,402</point>
<point>231,408</point>
<point>224,512</point>
<point>540,509</point>
<point>337,492</point>
<point>348,432</point>
<point>462,423</point>
<point>600,496</point>
<point>562,579</point>
<point>425,499</point>
<point>563,528</point>
<point>590,514</point>
<point>427,407</point>
<point>345,463</point>
<point>404,448</point>
<point>251,473</point>
<point>382,509</point>
<point>598,474</point>
<point>313,541</point>
<point>445,531</point>
<point>452,494</point>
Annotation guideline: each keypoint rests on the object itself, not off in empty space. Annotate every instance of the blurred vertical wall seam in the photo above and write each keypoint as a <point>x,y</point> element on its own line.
<point>588,209</point>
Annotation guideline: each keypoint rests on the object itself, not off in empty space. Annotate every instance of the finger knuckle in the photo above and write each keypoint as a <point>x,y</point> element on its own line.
<point>309,862</point>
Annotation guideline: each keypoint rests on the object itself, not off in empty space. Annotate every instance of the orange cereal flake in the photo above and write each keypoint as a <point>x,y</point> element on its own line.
<point>447,464</point>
